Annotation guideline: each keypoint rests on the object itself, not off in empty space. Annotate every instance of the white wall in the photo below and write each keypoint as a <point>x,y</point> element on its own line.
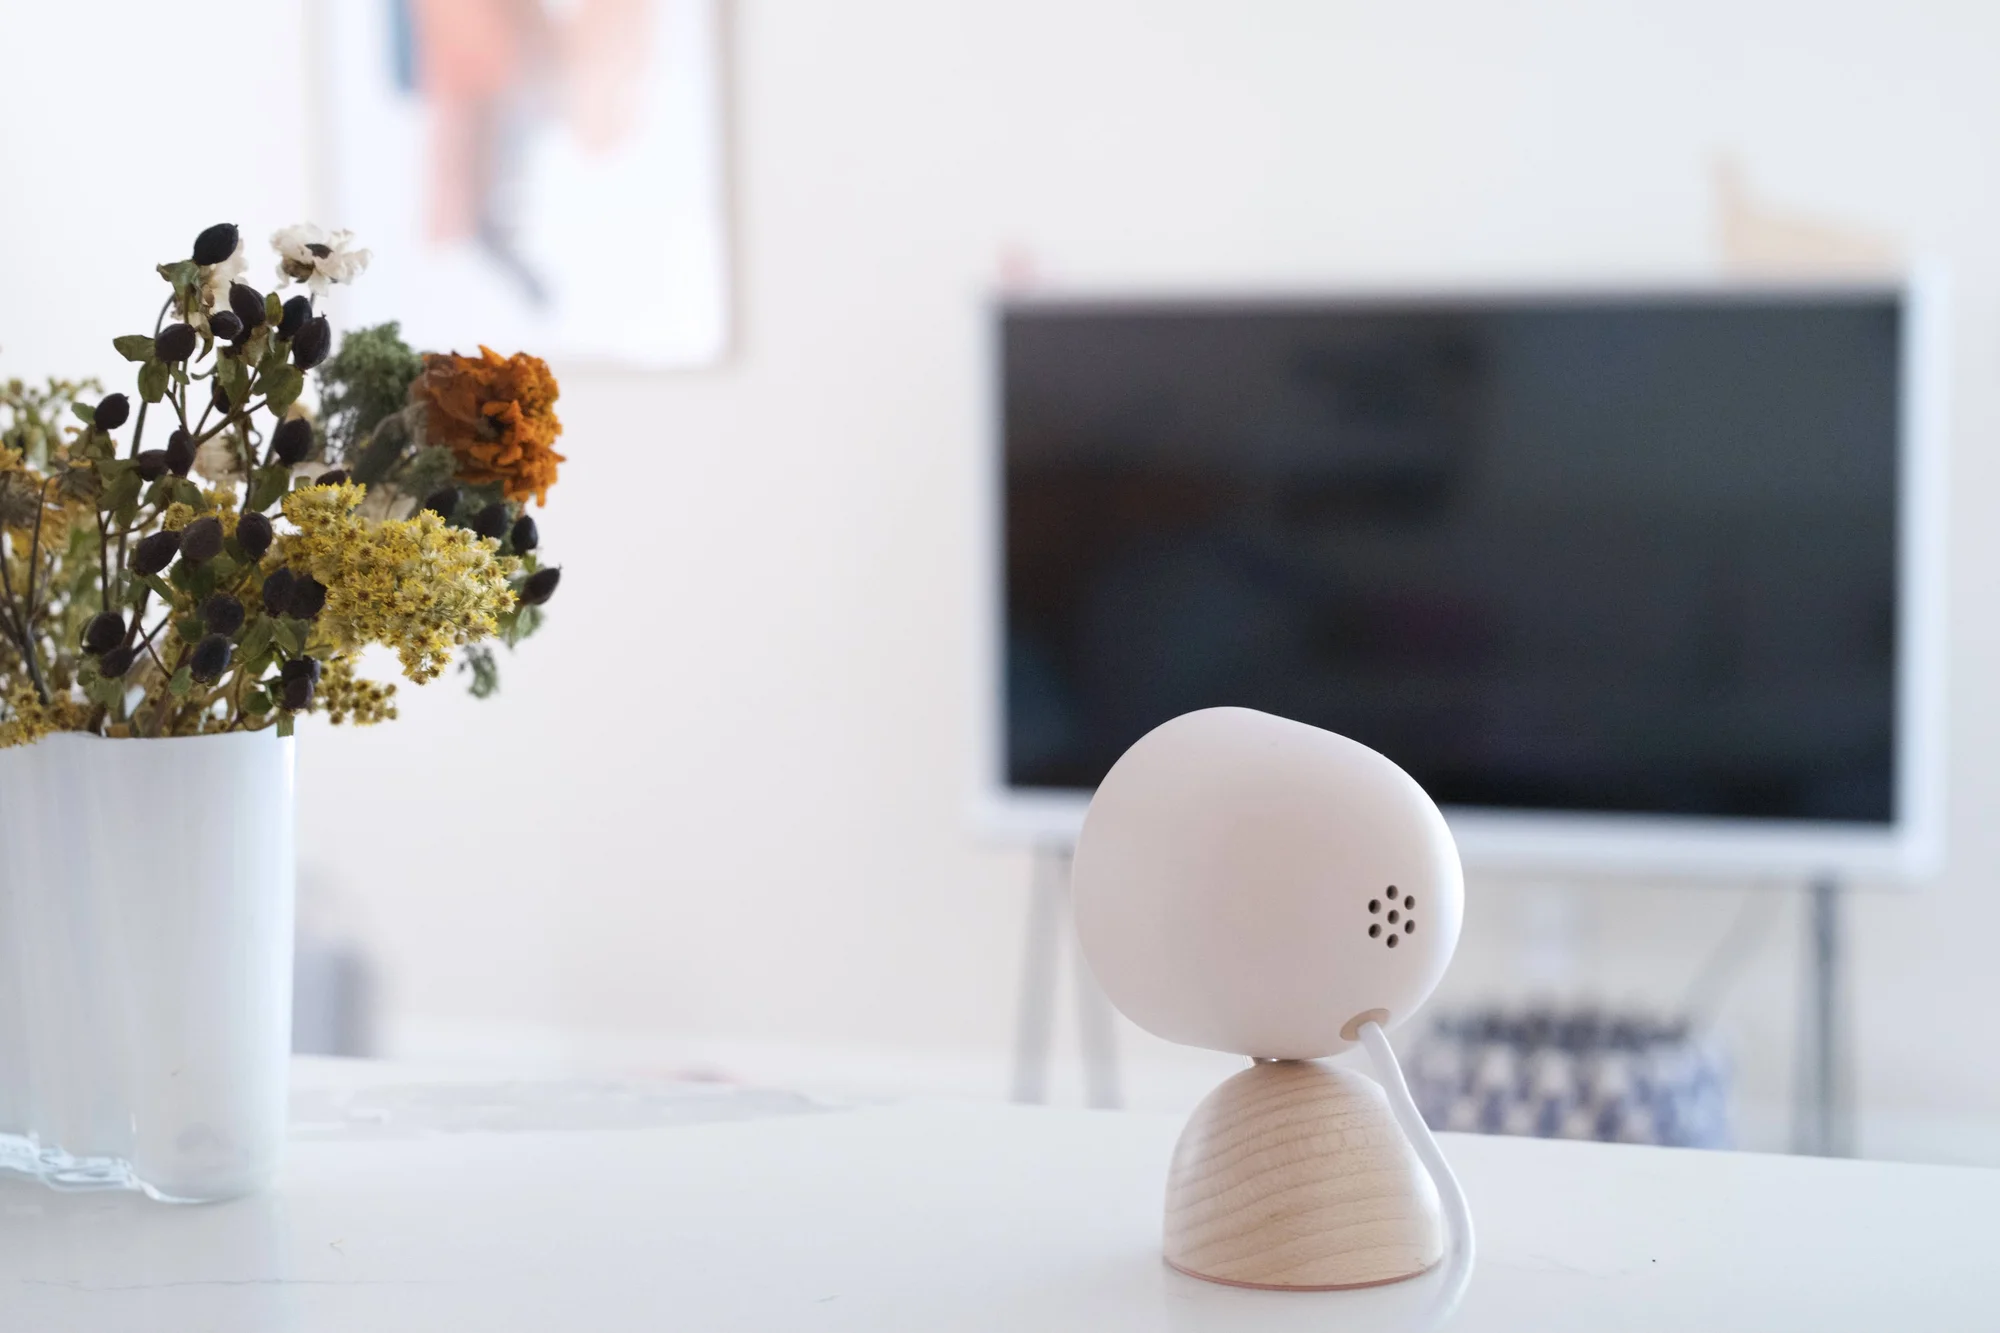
<point>718,804</point>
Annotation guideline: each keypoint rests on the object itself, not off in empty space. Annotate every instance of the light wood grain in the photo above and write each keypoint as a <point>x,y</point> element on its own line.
<point>1294,1174</point>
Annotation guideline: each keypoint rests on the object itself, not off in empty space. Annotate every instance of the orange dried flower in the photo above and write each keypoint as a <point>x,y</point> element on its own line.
<point>497,414</point>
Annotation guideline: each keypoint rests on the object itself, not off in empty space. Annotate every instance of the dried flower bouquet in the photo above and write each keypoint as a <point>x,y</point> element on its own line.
<point>229,577</point>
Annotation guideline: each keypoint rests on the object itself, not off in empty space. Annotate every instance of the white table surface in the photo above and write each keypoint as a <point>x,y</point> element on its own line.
<point>413,1204</point>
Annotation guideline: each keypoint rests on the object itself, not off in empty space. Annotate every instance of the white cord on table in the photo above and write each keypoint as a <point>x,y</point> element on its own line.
<point>1458,1270</point>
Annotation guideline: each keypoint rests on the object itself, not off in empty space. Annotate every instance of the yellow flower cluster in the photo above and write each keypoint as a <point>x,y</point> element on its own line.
<point>221,506</point>
<point>345,697</point>
<point>25,494</point>
<point>417,584</point>
<point>29,719</point>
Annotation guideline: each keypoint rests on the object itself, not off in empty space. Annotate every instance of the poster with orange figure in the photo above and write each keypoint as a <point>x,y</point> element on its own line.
<point>538,174</point>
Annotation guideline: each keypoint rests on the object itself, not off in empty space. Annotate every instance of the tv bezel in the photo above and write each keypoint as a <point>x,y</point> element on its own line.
<point>1907,847</point>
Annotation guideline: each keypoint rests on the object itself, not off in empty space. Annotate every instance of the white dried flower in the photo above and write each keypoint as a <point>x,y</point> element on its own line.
<point>317,257</point>
<point>218,462</point>
<point>215,291</point>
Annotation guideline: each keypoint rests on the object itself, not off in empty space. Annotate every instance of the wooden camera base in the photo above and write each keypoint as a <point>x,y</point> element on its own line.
<point>1294,1175</point>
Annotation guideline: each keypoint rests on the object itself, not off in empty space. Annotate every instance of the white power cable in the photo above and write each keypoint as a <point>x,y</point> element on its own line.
<point>1458,1214</point>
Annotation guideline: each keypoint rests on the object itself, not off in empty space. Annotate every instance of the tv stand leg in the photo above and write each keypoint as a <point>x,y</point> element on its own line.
<point>1035,1021</point>
<point>1034,1034</point>
<point>1096,1031</point>
<point>1821,1117</point>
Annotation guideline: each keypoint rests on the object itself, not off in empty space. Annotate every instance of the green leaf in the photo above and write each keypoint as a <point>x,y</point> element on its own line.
<point>267,487</point>
<point>182,273</point>
<point>382,452</point>
<point>79,484</point>
<point>188,493</point>
<point>274,308</point>
<point>257,702</point>
<point>520,623</point>
<point>282,387</point>
<point>284,724</point>
<point>121,494</point>
<point>190,628</point>
<point>255,639</point>
<point>84,412</point>
<point>485,671</point>
<point>159,587</point>
<point>105,693</point>
<point>182,681</point>
<point>199,581</point>
<point>290,634</point>
<point>134,346</point>
<point>234,377</point>
<point>153,381</point>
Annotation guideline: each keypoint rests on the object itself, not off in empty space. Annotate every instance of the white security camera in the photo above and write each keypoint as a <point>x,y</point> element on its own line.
<point>1255,885</point>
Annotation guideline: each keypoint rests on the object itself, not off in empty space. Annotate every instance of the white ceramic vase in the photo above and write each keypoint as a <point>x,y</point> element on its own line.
<point>146,961</point>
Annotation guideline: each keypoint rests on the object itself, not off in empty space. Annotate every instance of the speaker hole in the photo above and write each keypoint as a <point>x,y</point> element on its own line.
<point>1392,893</point>
<point>1374,904</point>
<point>1374,930</point>
<point>1394,916</point>
<point>1409,902</point>
<point>1393,939</point>
<point>1410,926</point>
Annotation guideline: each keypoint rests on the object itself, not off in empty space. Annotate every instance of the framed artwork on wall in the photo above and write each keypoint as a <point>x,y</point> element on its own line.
<point>543,174</point>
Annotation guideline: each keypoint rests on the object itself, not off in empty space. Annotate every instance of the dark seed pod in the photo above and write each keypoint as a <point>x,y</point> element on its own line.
<point>222,614</point>
<point>112,409</point>
<point>180,452</point>
<point>253,534</point>
<point>225,325</point>
<point>220,397</point>
<point>295,694</point>
<point>155,553</point>
<point>297,311</point>
<point>210,658</point>
<point>114,664</point>
<point>331,477</point>
<point>201,541</point>
<point>176,342</point>
<point>277,591</point>
<point>301,668</point>
<point>216,243</point>
<point>103,632</point>
<point>491,521</point>
<point>526,535</point>
<point>312,342</point>
<point>247,303</point>
<point>292,440</point>
<point>308,599</point>
<point>541,586</point>
<point>151,464</point>
<point>443,502</point>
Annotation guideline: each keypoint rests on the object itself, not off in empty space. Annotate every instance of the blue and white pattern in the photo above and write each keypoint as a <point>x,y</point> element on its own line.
<point>1573,1074</point>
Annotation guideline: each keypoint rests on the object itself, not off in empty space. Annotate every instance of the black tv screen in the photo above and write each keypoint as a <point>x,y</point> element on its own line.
<point>1632,554</point>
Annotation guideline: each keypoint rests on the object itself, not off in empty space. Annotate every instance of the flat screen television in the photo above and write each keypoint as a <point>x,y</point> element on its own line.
<point>1641,580</point>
